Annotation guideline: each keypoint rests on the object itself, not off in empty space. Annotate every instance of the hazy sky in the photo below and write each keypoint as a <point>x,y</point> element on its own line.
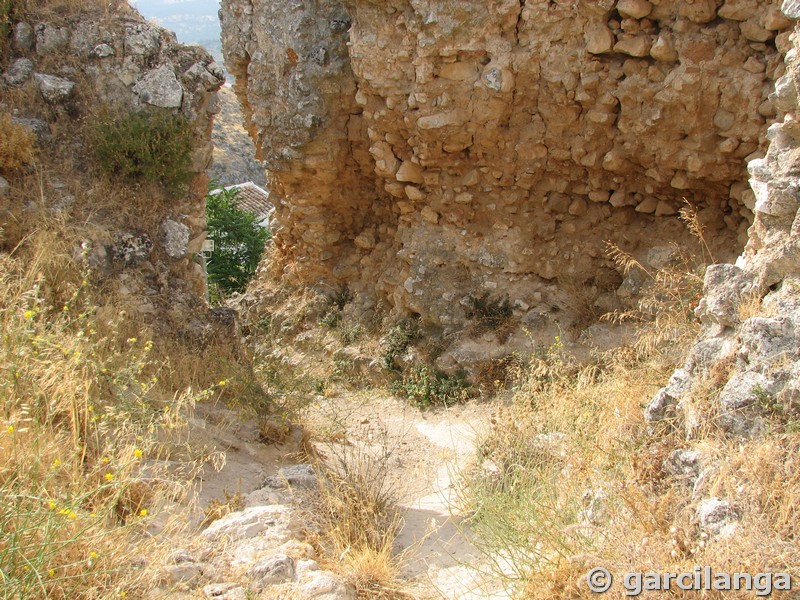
<point>192,20</point>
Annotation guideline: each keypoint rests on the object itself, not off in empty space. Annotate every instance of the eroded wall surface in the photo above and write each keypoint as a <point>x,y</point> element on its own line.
<point>426,151</point>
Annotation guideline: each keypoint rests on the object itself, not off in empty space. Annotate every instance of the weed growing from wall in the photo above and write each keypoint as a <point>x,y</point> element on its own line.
<point>151,147</point>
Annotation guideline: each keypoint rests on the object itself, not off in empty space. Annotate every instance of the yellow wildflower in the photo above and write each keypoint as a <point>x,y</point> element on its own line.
<point>143,512</point>
<point>109,476</point>
<point>28,314</point>
<point>137,453</point>
<point>51,572</point>
<point>72,516</point>
<point>92,554</point>
<point>52,505</point>
<point>56,464</point>
<point>10,429</point>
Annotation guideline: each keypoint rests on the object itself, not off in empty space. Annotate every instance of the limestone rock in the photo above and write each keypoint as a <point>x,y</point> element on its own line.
<point>18,72</point>
<point>271,570</point>
<point>50,39</point>
<point>53,89</point>
<point>791,8</point>
<point>739,410</point>
<point>663,49</point>
<point>297,476</point>
<point>186,573</point>
<point>717,517</point>
<point>663,404</point>
<point>635,9</point>
<point>723,288</point>
<point>23,36</point>
<point>175,238</point>
<point>323,585</point>
<point>38,127</point>
<point>738,10</point>
<point>634,46</point>
<point>752,31</point>
<point>699,11</point>
<point>257,520</point>
<point>159,87</point>
<point>131,248</point>
<point>774,19</point>
<point>599,40</point>
<point>103,51</point>
<point>683,463</point>
<point>225,591</point>
<point>142,41</point>
<point>409,172</point>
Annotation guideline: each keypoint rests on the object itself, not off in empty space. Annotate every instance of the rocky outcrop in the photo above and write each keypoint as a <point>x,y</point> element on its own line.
<point>430,152</point>
<point>750,311</point>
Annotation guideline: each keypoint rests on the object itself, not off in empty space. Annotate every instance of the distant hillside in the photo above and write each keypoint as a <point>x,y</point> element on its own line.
<point>234,153</point>
<point>192,20</point>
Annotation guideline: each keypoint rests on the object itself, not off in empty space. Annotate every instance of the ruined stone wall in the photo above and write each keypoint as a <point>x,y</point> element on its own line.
<point>64,70</point>
<point>427,150</point>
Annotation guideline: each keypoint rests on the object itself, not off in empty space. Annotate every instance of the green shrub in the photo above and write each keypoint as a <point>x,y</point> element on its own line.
<point>238,243</point>
<point>425,387</point>
<point>153,147</point>
<point>397,341</point>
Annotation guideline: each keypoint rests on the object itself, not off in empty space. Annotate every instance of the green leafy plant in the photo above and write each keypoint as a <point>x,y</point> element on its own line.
<point>153,147</point>
<point>397,341</point>
<point>238,243</point>
<point>426,387</point>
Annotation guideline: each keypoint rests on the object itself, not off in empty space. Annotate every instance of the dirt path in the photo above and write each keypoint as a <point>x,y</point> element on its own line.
<point>424,450</point>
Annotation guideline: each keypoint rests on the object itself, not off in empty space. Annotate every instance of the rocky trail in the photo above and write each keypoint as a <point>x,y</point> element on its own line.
<point>260,548</point>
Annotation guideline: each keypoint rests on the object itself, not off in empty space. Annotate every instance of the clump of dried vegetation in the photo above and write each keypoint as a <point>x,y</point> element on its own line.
<point>355,510</point>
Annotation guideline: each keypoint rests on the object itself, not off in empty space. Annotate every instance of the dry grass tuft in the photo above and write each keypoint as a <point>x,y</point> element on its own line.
<point>665,309</point>
<point>218,508</point>
<point>355,510</point>
<point>16,146</point>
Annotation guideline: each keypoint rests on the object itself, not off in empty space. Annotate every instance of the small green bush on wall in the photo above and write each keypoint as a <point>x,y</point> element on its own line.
<point>153,147</point>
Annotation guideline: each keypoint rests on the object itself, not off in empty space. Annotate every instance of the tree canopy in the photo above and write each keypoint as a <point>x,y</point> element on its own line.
<point>238,243</point>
